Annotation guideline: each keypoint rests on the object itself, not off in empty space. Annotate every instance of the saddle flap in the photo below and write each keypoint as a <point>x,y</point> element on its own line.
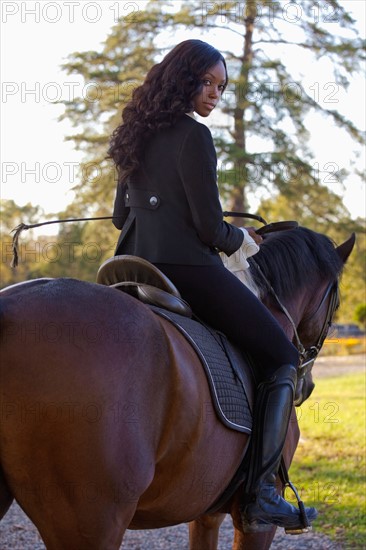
<point>229,375</point>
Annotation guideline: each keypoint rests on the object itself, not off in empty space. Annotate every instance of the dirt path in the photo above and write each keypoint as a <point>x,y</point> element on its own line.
<point>338,366</point>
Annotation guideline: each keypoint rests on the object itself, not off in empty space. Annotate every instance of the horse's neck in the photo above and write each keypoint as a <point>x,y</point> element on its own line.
<point>291,312</point>
<point>296,309</point>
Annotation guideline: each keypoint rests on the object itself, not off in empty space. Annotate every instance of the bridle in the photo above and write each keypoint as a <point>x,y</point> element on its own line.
<point>307,355</point>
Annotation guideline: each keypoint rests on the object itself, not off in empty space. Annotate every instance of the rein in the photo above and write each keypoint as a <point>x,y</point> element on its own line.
<point>307,355</point>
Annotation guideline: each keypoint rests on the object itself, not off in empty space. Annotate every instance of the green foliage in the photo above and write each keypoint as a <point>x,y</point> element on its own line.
<point>360,314</point>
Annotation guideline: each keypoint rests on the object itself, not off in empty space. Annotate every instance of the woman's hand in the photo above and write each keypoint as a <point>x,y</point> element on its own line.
<point>252,232</point>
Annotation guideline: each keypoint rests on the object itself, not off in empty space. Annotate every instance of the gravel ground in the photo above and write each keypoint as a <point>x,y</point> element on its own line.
<point>18,533</point>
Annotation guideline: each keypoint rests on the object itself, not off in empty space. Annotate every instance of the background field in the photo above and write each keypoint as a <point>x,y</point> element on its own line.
<point>329,465</point>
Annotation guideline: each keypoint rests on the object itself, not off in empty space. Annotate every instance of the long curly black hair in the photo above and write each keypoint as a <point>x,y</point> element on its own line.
<point>165,95</point>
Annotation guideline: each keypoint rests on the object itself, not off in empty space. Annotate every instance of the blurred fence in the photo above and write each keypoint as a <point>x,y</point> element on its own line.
<point>351,345</point>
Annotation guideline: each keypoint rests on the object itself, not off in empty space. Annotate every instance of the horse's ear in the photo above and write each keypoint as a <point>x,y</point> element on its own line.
<point>345,249</point>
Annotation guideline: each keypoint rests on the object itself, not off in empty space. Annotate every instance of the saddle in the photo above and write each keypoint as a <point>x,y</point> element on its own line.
<point>228,371</point>
<point>144,281</point>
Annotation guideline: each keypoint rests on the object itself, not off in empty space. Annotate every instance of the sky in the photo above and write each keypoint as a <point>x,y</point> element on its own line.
<point>39,166</point>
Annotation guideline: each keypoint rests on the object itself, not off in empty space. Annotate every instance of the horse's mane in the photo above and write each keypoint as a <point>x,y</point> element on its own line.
<point>293,259</point>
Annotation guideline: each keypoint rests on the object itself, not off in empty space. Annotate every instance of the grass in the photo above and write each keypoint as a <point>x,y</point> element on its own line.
<point>329,464</point>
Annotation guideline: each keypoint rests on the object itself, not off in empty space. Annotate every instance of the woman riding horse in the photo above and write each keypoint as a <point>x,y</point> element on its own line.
<point>167,206</point>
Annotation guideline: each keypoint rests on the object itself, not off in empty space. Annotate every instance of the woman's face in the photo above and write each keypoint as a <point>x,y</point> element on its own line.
<point>213,84</point>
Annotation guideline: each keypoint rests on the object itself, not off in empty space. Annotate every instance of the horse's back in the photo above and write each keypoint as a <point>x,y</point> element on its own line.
<point>76,351</point>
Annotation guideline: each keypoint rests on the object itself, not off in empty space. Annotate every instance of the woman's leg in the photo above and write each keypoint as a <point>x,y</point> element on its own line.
<point>223,302</point>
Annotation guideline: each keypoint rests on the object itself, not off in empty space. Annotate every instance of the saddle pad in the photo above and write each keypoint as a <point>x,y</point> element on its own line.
<point>223,369</point>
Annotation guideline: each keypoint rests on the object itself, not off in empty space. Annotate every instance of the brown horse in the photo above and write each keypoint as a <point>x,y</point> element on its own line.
<point>107,421</point>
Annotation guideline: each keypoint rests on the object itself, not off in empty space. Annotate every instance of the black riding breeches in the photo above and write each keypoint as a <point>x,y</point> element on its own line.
<point>226,304</point>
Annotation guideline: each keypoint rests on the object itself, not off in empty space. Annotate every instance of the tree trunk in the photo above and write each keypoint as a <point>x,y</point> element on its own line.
<point>239,202</point>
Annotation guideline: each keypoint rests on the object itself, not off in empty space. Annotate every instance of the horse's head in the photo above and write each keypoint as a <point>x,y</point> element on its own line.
<point>298,278</point>
<point>315,324</point>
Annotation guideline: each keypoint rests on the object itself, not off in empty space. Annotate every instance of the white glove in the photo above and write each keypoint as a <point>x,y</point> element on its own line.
<point>237,262</point>
<point>249,247</point>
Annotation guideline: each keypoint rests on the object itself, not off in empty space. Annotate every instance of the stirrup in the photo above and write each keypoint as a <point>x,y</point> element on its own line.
<point>297,524</point>
<point>302,509</point>
<point>303,515</point>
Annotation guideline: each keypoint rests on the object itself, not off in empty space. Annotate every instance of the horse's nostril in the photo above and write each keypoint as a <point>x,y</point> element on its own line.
<point>303,391</point>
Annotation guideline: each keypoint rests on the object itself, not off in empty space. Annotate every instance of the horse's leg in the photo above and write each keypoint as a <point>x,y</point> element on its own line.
<point>204,532</point>
<point>253,541</point>
<point>74,488</point>
<point>80,498</point>
<point>6,497</point>
<point>75,531</point>
<point>248,541</point>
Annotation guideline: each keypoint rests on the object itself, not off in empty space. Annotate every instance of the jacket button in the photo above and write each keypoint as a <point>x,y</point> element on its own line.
<point>153,201</point>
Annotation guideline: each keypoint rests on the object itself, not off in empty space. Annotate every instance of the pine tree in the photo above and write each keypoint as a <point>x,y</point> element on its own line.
<point>261,134</point>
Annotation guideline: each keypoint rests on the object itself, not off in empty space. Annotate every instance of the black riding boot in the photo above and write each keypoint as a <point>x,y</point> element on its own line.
<point>262,505</point>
